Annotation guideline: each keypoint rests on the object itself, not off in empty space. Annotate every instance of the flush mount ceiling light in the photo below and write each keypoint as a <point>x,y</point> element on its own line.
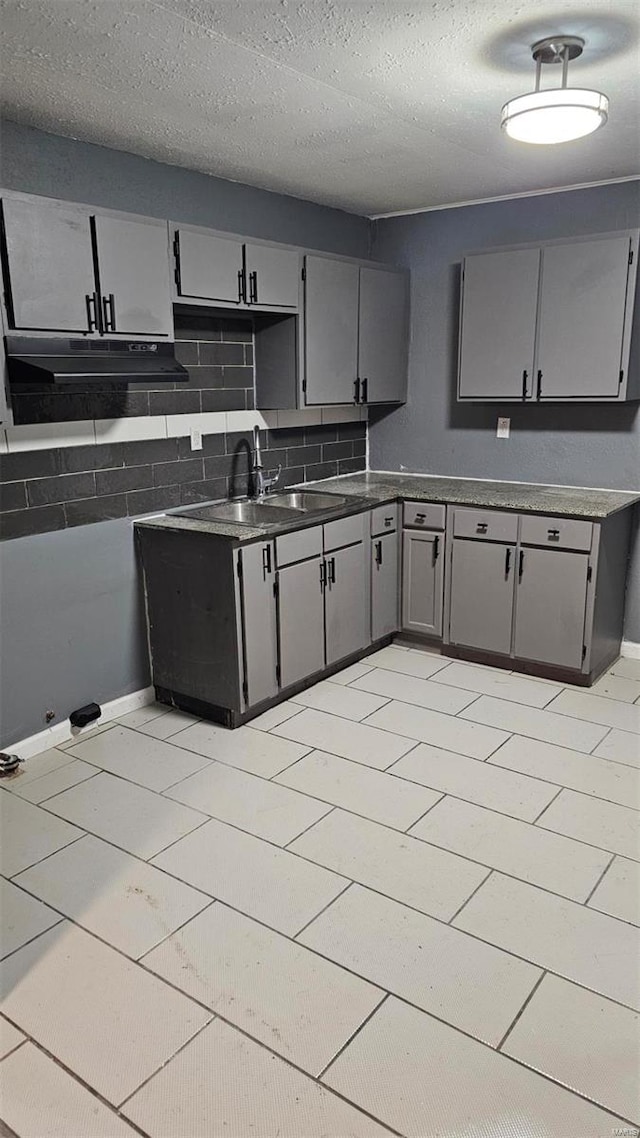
<point>558,114</point>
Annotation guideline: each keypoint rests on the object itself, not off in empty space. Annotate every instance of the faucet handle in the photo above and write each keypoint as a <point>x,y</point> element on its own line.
<point>273,481</point>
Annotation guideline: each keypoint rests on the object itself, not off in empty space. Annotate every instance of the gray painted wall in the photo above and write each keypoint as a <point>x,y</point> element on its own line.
<point>572,445</point>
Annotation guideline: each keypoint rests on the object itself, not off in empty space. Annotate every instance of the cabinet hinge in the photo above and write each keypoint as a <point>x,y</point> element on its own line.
<point>621,377</point>
<point>631,256</point>
<point>276,588</point>
<point>303,273</point>
<point>304,385</point>
<point>239,566</point>
<point>584,651</point>
<point>589,572</point>
<point>278,675</point>
<point>176,253</point>
<point>245,691</point>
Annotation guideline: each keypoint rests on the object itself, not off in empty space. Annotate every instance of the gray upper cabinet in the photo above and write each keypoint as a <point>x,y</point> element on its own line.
<point>581,320</point>
<point>272,276</point>
<point>259,631</point>
<point>422,582</point>
<point>551,598</point>
<point>385,591</point>
<point>346,602</point>
<point>208,267</point>
<point>134,276</point>
<point>300,620</point>
<point>383,335</point>
<point>481,595</point>
<point>498,324</point>
<point>51,282</point>
<point>330,330</point>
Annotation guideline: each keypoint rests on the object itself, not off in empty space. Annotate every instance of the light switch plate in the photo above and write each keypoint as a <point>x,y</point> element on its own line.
<point>504,428</point>
<point>196,438</point>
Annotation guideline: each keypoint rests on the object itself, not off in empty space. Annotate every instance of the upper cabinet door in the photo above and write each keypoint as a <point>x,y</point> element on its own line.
<point>133,264</point>
<point>50,262</point>
<point>498,323</point>
<point>331,330</point>
<point>209,267</point>
<point>383,336</point>
<point>273,276</point>
<point>581,320</point>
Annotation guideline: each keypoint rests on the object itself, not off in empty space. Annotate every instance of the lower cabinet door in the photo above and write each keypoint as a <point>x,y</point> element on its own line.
<point>346,602</point>
<point>482,587</point>
<point>259,639</point>
<point>422,582</point>
<point>551,599</point>
<point>384,585</point>
<point>300,620</point>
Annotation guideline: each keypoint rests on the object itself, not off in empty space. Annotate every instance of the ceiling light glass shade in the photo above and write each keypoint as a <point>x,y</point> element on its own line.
<point>557,114</point>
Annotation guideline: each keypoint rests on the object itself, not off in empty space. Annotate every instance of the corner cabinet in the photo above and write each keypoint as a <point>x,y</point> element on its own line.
<point>550,323</point>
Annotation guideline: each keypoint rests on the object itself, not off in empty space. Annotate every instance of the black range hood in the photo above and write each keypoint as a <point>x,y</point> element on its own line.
<point>57,361</point>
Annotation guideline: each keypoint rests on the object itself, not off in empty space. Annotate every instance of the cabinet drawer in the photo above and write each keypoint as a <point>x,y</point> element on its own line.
<point>488,525</point>
<point>424,515</point>
<point>344,531</point>
<point>563,533</point>
<point>298,546</point>
<point>384,519</point>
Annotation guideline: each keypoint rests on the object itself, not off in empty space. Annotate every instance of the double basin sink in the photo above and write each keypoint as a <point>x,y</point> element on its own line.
<point>270,510</point>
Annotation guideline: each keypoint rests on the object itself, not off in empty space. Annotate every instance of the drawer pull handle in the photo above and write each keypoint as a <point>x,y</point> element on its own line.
<point>266,560</point>
<point>436,547</point>
<point>378,553</point>
<point>554,534</point>
<point>420,518</point>
<point>482,527</point>
<point>507,562</point>
<point>520,564</point>
<point>388,521</point>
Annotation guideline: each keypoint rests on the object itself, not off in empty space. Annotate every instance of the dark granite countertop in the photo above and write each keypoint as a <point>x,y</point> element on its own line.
<point>377,486</point>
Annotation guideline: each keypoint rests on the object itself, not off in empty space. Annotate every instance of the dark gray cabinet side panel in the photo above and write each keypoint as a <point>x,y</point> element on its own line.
<point>384,585</point>
<point>259,626</point>
<point>481,595</point>
<point>422,585</point>
<point>133,263</point>
<point>498,323</point>
<point>551,600</point>
<point>277,276</point>
<point>209,266</point>
<point>347,602</point>
<point>581,319</point>
<point>300,621</point>
<point>383,343</point>
<point>331,330</point>
<point>610,579</point>
<point>50,261</point>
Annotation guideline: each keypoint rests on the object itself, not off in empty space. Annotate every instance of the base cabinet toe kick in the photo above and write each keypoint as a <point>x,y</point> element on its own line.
<point>236,628</point>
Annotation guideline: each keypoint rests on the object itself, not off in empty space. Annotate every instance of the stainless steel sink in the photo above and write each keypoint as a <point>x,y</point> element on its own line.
<point>244,513</point>
<point>307,501</point>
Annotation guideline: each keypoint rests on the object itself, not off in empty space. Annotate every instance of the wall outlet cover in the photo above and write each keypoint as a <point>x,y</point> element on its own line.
<point>504,428</point>
<point>196,438</point>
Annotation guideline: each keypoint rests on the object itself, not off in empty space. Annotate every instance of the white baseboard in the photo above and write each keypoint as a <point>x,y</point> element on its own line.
<point>631,649</point>
<point>65,733</point>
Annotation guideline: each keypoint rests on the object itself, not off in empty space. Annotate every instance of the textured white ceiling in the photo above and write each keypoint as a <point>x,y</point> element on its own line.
<point>373,106</point>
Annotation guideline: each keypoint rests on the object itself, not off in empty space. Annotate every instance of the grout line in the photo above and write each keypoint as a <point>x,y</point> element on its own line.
<point>311,825</point>
<point>12,1049</point>
<point>182,1046</point>
<point>37,936</point>
<point>51,854</point>
<point>549,803</point>
<point>320,912</point>
<point>467,899</point>
<point>525,1005</point>
<point>427,811</point>
<point>322,1073</point>
<point>603,874</point>
<point>55,794</point>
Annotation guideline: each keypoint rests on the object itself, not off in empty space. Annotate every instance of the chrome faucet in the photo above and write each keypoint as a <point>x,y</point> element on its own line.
<point>261,484</point>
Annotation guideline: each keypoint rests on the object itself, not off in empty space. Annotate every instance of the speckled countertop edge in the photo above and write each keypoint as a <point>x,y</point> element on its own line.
<point>376,487</point>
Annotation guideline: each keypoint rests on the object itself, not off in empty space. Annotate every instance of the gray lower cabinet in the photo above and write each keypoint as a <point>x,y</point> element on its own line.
<point>482,595</point>
<point>551,598</point>
<point>385,590</point>
<point>134,276</point>
<point>346,599</point>
<point>330,330</point>
<point>300,620</point>
<point>422,582</point>
<point>258,621</point>
<point>383,335</point>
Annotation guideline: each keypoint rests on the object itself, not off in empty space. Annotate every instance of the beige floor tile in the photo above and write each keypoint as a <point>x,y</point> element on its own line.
<point>144,714</point>
<point>29,834</point>
<point>247,1091</point>
<point>573,769</point>
<point>80,736</point>
<point>250,750</point>
<point>626,666</point>
<point>515,847</point>
<point>406,869</point>
<point>589,1044</point>
<point>469,984</point>
<point>478,782</point>
<point>134,756</point>
<point>60,1107</point>
<point>167,725</point>
<point>423,1078</point>
<point>354,741</point>
<point>621,747</point>
<point>362,790</point>
<point>603,824</point>
<point>611,686</point>
<point>261,880</point>
<point>298,1004</point>
<point>36,767</point>
<point>410,689</point>
<point>123,900</point>
<point>353,672</point>
<point>347,702</point>
<point>39,789</point>
<point>619,891</point>
<point>102,1016</point>
<point>493,681</point>
<point>10,1037</point>
<point>447,731</point>
<point>125,814</point>
<point>397,659</point>
<point>544,725</point>
<point>594,709</point>
<point>251,803</point>
<point>584,946</point>
<point>22,917</point>
<point>275,715</point>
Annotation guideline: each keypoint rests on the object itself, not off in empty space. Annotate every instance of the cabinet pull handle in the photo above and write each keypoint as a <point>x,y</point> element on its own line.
<point>481,527</point>
<point>525,376</point>
<point>539,388</point>
<point>365,387</point>
<point>520,564</point>
<point>419,518</point>
<point>253,287</point>
<point>332,571</point>
<point>242,297</point>
<point>266,560</point>
<point>507,562</point>
<point>109,312</point>
<point>378,556</point>
<point>323,575</point>
<point>92,311</point>
<point>388,521</point>
<point>554,534</point>
<point>356,391</point>
<point>436,548</point>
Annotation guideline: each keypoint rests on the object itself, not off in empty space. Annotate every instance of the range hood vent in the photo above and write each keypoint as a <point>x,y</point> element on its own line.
<point>32,360</point>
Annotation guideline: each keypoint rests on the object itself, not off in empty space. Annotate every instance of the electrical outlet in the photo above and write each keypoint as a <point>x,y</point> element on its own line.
<point>196,439</point>
<point>504,428</point>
